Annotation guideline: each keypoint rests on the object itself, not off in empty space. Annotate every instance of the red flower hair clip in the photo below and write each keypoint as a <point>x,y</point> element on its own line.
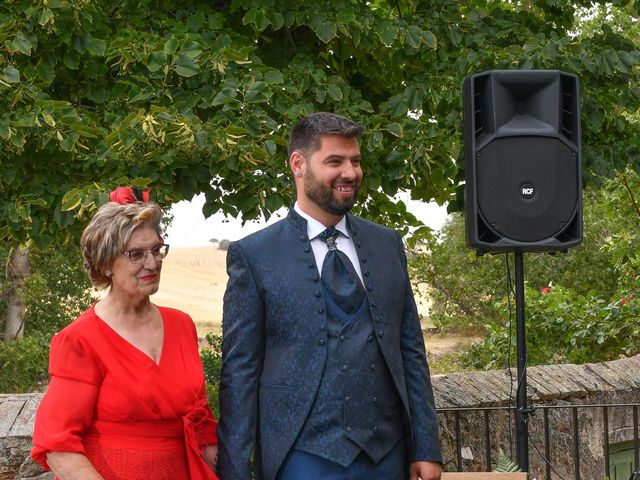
<point>124,195</point>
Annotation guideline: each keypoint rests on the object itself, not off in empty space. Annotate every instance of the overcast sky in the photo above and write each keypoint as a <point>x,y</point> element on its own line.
<point>190,229</point>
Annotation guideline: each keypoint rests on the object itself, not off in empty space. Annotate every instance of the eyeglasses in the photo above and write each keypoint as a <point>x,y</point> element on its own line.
<point>139,255</point>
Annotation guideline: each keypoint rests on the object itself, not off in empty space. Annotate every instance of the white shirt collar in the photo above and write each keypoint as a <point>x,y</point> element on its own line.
<point>315,228</point>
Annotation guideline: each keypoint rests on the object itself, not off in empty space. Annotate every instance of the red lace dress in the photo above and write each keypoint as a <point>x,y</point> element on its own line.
<point>131,417</point>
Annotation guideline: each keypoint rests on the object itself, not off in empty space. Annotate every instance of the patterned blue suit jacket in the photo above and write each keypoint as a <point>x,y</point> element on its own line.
<point>275,343</point>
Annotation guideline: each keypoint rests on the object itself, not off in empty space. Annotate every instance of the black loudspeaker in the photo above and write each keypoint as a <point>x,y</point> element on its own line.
<point>522,161</point>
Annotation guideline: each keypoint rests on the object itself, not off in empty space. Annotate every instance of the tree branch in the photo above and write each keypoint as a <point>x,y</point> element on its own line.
<point>632,197</point>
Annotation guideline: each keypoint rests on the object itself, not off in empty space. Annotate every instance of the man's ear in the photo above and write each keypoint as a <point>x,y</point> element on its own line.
<point>296,163</point>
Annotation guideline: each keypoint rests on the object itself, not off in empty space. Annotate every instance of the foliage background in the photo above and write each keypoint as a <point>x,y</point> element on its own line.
<point>190,97</point>
<point>193,96</point>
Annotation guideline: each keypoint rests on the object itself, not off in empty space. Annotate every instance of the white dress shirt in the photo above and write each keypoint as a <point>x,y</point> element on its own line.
<point>319,246</point>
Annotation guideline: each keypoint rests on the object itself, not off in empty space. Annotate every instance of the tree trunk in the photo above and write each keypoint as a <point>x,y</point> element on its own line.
<point>17,272</point>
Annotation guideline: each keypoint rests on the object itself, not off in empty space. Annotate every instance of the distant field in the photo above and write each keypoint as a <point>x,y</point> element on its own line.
<point>194,279</point>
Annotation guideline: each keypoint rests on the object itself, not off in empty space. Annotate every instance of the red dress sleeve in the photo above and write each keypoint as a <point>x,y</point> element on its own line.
<point>67,408</point>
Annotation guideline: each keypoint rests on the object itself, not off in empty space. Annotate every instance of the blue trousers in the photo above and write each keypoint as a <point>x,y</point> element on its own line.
<point>306,466</point>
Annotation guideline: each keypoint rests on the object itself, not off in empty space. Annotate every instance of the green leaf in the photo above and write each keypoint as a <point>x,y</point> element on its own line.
<point>550,51</point>
<point>365,106</point>
<point>95,46</point>
<point>257,17</point>
<point>375,140</point>
<point>531,44</point>
<point>85,130</point>
<point>215,21</point>
<point>236,130</point>
<point>68,143</point>
<point>271,147</point>
<point>48,119</point>
<point>274,77</point>
<point>171,46</point>
<point>395,129</point>
<point>5,132</point>
<point>72,60</point>
<point>42,241</point>
<point>345,15</point>
<point>21,43</point>
<point>140,182</point>
<point>373,181</point>
<point>273,202</point>
<point>614,61</point>
<point>193,49</point>
<point>156,61</point>
<point>429,39</point>
<point>45,16</point>
<point>334,91</point>
<point>71,200</point>
<point>225,95</point>
<point>414,36</point>
<point>249,17</point>
<point>323,28</point>
<point>186,66</point>
<point>389,35</point>
<point>10,74</point>
<point>195,21</point>
<point>256,93</point>
<point>23,211</point>
<point>234,55</point>
<point>13,214</point>
<point>627,58</point>
<point>395,157</point>
<point>277,21</point>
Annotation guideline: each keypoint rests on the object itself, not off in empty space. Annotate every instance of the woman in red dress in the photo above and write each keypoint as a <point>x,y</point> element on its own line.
<point>127,395</point>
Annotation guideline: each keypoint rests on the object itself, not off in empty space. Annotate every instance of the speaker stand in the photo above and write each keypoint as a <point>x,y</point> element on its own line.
<point>522,411</point>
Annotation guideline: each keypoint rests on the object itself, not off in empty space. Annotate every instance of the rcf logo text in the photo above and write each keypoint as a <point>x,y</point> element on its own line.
<point>527,191</point>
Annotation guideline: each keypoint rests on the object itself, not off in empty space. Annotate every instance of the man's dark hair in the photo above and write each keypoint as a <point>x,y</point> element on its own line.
<point>305,135</point>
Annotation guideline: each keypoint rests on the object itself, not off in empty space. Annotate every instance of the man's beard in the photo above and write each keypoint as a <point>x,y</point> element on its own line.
<point>323,196</point>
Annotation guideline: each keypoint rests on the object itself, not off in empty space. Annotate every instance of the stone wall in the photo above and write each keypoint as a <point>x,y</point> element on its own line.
<point>16,428</point>
<point>616,382</point>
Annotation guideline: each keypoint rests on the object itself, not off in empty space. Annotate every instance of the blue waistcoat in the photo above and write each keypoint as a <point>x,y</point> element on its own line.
<point>357,407</point>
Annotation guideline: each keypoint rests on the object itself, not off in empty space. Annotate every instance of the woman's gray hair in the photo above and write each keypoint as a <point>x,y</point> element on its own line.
<point>108,233</point>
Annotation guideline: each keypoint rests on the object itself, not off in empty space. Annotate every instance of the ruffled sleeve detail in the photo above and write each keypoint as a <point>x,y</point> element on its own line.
<point>200,430</point>
<point>67,408</point>
<point>200,427</point>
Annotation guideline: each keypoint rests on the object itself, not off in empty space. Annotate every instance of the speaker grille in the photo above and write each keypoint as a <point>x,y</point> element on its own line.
<point>527,186</point>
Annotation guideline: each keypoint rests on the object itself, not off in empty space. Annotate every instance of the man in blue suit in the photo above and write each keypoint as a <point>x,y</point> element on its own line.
<point>312,389</point>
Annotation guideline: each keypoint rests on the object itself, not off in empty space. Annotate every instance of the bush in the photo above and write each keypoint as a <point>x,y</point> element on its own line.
<point>563,326</point>
<point>212,362</point>
<point>23,364</point>
<point>56,292</point>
